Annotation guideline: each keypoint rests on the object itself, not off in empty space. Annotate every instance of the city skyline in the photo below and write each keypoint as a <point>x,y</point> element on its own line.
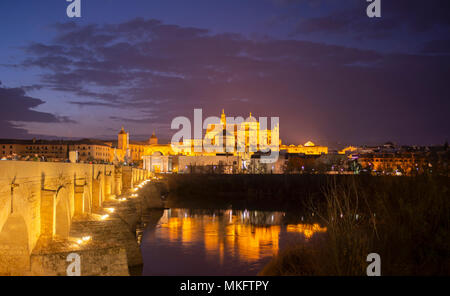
<point>329,72</point>
<point>183,139</point>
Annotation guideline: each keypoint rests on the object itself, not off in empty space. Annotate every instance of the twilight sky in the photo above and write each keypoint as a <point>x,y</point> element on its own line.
<point>329,72</point>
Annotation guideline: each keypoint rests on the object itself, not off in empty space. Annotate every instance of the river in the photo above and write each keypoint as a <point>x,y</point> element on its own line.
<point>218,242</point>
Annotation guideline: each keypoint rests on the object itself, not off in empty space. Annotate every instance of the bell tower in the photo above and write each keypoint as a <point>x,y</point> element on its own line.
<point>153,139</point>
<point>122,140</point>
<point>223,119</point>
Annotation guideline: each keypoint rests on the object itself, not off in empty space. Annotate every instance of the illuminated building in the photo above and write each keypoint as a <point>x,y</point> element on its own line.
<point>55,150</point>
<point>242,144</point>
<point>232,143</point>
<point>348,149</point>
<point>309,148</point>
<point>403,163</point>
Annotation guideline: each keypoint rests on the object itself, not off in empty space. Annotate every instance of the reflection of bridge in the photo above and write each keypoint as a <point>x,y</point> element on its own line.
<point>39,200</point>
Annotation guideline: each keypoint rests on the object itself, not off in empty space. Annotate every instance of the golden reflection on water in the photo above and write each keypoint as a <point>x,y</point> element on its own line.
<point>307,229</point>
<point>246,235</point>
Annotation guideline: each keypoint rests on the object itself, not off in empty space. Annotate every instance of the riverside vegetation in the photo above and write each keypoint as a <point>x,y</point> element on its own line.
<point>404,219</point>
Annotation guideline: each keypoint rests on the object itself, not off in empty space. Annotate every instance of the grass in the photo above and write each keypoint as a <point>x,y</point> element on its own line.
<point>406,220</point>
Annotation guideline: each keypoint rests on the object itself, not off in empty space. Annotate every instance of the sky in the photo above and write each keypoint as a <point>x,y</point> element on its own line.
<point>329,72</point>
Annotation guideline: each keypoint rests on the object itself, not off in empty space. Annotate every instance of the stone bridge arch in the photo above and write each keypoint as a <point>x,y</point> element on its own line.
<point>14,246</point>
<point>62,215</point>
<point>56,212</point>
<point>97,191</point>
<point>108,184</point>
<point>87,197</point>
<point>82,197</point>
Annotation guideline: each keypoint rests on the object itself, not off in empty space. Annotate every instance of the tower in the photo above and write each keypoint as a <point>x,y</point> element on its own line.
<point>153,139</point>
<point>122,140</point>
<point>223,119</point>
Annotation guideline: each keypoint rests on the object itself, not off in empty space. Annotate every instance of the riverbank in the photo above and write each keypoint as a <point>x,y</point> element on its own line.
<point>256,192</point>
<point>404,220</point>
<point>277,192</point>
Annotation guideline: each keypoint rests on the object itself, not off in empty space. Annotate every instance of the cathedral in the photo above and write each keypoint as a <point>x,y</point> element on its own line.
<point>223,142</point>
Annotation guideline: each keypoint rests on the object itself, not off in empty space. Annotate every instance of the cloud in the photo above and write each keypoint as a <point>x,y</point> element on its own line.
<point>437,47</point>
<point>92,104</point>
<point>412,16</point>
<point>16,106</point>
<point>133,120</point>
<point>157,71</point>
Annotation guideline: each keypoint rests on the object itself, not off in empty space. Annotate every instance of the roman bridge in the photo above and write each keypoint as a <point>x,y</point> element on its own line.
<point>40,199</point>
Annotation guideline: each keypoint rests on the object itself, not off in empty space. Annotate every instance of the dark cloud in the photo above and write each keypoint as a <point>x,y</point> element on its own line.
<point>320,91</point>
<point>437,47</point>
<point>92,104</point>
<point>350,22</point>
<point>16,106</point>
<point>133,120</point>
<point>413,16</point>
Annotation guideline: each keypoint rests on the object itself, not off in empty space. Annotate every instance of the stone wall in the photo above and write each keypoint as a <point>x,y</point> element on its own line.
<point>100,261</point>
<point>40,199</point>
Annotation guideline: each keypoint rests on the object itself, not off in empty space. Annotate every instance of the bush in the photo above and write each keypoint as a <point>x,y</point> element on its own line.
<point>406,220</point>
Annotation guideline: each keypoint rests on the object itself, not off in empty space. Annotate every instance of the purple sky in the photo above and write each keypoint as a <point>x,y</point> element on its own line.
<point>329,72</point>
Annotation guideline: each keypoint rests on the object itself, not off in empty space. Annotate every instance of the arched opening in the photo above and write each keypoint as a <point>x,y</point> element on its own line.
<point>62,214</point>
<point>14,250</point>
<point>157,164</point>
<point>96,194</point>
<point>87,200</point>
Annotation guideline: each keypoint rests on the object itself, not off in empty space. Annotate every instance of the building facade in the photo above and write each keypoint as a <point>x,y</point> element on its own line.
<point>309,148</point>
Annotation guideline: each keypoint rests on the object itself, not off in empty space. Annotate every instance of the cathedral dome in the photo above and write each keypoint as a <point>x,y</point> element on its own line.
<point>251,118</point>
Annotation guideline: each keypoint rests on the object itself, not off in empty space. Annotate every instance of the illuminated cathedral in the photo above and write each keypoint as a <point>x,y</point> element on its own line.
<point>242,139</point>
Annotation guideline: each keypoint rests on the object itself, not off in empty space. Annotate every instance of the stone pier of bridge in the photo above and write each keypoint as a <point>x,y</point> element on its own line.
<point>40,200</point>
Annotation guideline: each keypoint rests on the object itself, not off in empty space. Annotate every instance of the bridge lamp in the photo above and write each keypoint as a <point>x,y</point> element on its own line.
<point>110,210</point>
<point>104,217</point>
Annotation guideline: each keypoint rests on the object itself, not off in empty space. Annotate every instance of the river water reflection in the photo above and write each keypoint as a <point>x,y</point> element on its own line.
<point>218,242</point>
